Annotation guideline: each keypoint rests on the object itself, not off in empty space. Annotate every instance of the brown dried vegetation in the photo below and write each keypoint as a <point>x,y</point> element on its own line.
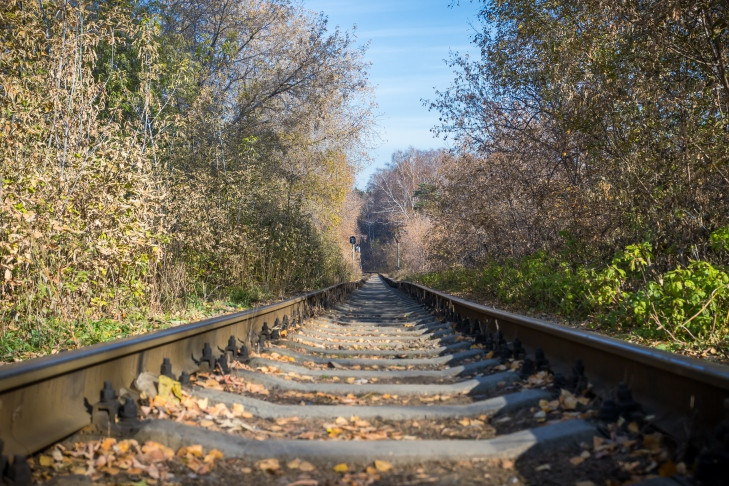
<point>154,153</point>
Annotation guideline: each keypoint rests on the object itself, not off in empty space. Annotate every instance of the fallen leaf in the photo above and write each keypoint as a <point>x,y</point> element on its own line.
<point>382,466</point>
<point>58,455</point>
<point>568,400</point>
<point>306,466</point>
<point>577,460</point>
<point>193,450</point>
<point>269,465</point>
<point>107,444</point>
<point>169,388</point>
<point>46,461</point>
<point>652,442</point>
<point>341,468</point>
<point>156,452</point>
<point>213,456</point>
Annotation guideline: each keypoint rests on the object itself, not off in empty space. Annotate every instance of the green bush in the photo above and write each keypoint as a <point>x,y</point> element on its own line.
<point>685,305</point>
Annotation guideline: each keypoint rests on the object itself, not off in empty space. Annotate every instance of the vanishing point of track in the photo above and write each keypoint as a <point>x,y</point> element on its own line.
<point>394,383</point>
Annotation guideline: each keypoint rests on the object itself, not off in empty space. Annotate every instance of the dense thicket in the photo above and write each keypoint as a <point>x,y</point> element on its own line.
<point>606,121</point>
<point>592,161</point>
<point>157,150</point>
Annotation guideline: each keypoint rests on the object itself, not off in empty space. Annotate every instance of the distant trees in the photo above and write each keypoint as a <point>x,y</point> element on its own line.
<point>395,208</point>
<point>156,150</point>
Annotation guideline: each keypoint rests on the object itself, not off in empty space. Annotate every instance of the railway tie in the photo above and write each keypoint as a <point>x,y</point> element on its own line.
<point>377,390</point>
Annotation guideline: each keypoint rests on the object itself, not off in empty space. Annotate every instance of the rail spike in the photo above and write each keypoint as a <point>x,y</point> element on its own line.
<point>222,364</point>
<point>18,473</point>
<point>128,416</point>
<point>3,458</point>
<point>712,463</point>
<point>166,368</point>
<point>105,411</point>
<point>207,358</point>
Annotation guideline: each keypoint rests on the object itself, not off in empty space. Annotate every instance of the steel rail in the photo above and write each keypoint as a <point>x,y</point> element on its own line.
<point>688,397</point>
<point>46,399</point>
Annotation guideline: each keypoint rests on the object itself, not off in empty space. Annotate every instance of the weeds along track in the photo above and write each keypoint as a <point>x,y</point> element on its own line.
<point>392,384</point>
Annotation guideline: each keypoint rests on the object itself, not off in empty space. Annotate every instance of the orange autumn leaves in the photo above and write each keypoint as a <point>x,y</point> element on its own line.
<point>111,457</point>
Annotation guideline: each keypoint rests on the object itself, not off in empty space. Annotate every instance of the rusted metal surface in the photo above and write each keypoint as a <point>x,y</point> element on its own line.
<point>688,396</point>
<point>46,399</point>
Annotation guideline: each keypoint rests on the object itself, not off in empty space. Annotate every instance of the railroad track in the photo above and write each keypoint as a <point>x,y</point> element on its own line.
<point>387,386</point>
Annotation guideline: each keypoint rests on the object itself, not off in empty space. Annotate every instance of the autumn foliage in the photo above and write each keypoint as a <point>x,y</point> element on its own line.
<point>154,152</point>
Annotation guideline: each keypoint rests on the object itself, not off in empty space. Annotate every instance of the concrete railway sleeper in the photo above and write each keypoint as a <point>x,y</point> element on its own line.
<point>384,387</point>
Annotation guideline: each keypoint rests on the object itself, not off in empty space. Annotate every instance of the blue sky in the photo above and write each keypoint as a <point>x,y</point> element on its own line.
<point>409,40</point>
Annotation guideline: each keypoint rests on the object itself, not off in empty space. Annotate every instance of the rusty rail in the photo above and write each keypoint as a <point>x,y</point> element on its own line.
<point>46,399</point>
<point>687,396</point>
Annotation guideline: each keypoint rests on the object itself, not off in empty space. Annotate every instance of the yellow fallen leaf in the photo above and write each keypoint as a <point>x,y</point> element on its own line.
<point>107,444</point>
<point>46,461</point>
<point>193,450</point>
<point>382,466</point>
<point>213,456</point>
<point>341,468</point>
<point>167,387</point>
<point>123,446</point>
<point>203,403</point>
